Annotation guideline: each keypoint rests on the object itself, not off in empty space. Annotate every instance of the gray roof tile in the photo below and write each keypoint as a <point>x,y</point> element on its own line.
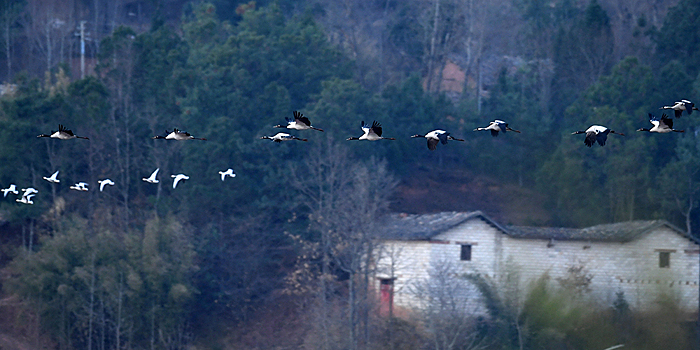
<point>617,232</point>
<point>400,226</point>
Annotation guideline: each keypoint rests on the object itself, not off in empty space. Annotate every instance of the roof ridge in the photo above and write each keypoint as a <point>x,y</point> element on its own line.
<point>404,226</point>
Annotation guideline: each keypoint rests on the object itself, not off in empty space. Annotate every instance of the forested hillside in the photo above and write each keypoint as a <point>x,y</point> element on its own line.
<point>235,262</point>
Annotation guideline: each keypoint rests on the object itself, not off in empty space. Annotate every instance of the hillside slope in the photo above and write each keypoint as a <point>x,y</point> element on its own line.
<point>430,192</point>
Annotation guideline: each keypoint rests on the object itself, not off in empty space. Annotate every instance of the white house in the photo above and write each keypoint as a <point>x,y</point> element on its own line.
<point>642,259</point>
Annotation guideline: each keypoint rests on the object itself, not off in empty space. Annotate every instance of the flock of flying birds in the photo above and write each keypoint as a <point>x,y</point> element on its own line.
<point>595,133</point>
<point>66,134</point>
<point>599,133</point>
<point>371,132</point>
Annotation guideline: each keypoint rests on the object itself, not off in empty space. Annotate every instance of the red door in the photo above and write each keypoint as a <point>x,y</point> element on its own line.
<point>386,301</point>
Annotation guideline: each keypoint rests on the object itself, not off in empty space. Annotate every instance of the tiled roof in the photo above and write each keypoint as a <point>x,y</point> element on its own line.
<point>403,226</point>
<point>617,232</point>
<point>426,226</point>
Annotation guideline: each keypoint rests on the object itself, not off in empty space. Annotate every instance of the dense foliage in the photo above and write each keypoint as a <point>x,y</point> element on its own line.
<point>143,265</point>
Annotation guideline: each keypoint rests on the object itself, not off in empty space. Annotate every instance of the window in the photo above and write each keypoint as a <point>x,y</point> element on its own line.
<point>386,281</point>
<point>665,259</point>
<point>466,253</point>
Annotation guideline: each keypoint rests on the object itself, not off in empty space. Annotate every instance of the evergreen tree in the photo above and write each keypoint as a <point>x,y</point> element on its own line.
<point>678,37</point>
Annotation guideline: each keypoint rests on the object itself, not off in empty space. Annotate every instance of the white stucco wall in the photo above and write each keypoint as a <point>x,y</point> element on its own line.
<point>413,262</point>
<point>631,267</point>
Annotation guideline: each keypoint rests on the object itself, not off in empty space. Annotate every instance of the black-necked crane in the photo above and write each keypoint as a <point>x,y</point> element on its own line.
<point>282,136</point>
<point>152,179</point>
<point>105,182</point>
<point>497,126</point>
<point>11,189</point>
<point>177,135</point>
<point>62,134</point>
<point>436,136</point>
<point>229,172</point>
<point>371,133</point>
<point>597,133</point>
<point>179,177</point>
<point>680,106</point>
<point>663,125</point>
<point>300,122</point>
<point>53,178</point>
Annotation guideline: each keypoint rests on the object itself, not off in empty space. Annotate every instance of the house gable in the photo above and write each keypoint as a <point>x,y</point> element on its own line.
<point>426,227</point>
<point>626,257</point>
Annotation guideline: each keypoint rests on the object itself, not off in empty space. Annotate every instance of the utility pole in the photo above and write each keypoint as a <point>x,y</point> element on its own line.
<point>82,49</point>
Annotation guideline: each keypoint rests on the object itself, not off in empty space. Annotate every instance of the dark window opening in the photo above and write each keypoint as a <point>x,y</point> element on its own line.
<point>466,254</point>
<point>664,259</point>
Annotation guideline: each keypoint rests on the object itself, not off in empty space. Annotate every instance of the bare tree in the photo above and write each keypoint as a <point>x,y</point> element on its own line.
<point>356,27</point>
<point>372,184</point>
<point>680,195</point>
<point>10,14</point>
<point>117,68</point>
<point>48,26</point>
<point>321,182</point>
<point>388,260</point>
<point>460,31</point>
<point>344,199</point>
<point>449,305</point>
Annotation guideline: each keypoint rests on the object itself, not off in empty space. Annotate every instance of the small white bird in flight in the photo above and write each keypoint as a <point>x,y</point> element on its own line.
<point>80,186</point>
<point>178,177</point>
<point>152,178</point>
<point>282,136</point>
<point>53,178</point>
<point>105,182</point>
<point>12,189</point>
<point>228,172</point>
<point>29,191</point>
<point>27,199</point>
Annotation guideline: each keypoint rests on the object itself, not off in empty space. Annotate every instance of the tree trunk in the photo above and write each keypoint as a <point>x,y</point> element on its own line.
<point>352,313</point>
<point>433,38</point>
<point>8,43</point>
<point>118,325</point>
<point>91,307</point>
